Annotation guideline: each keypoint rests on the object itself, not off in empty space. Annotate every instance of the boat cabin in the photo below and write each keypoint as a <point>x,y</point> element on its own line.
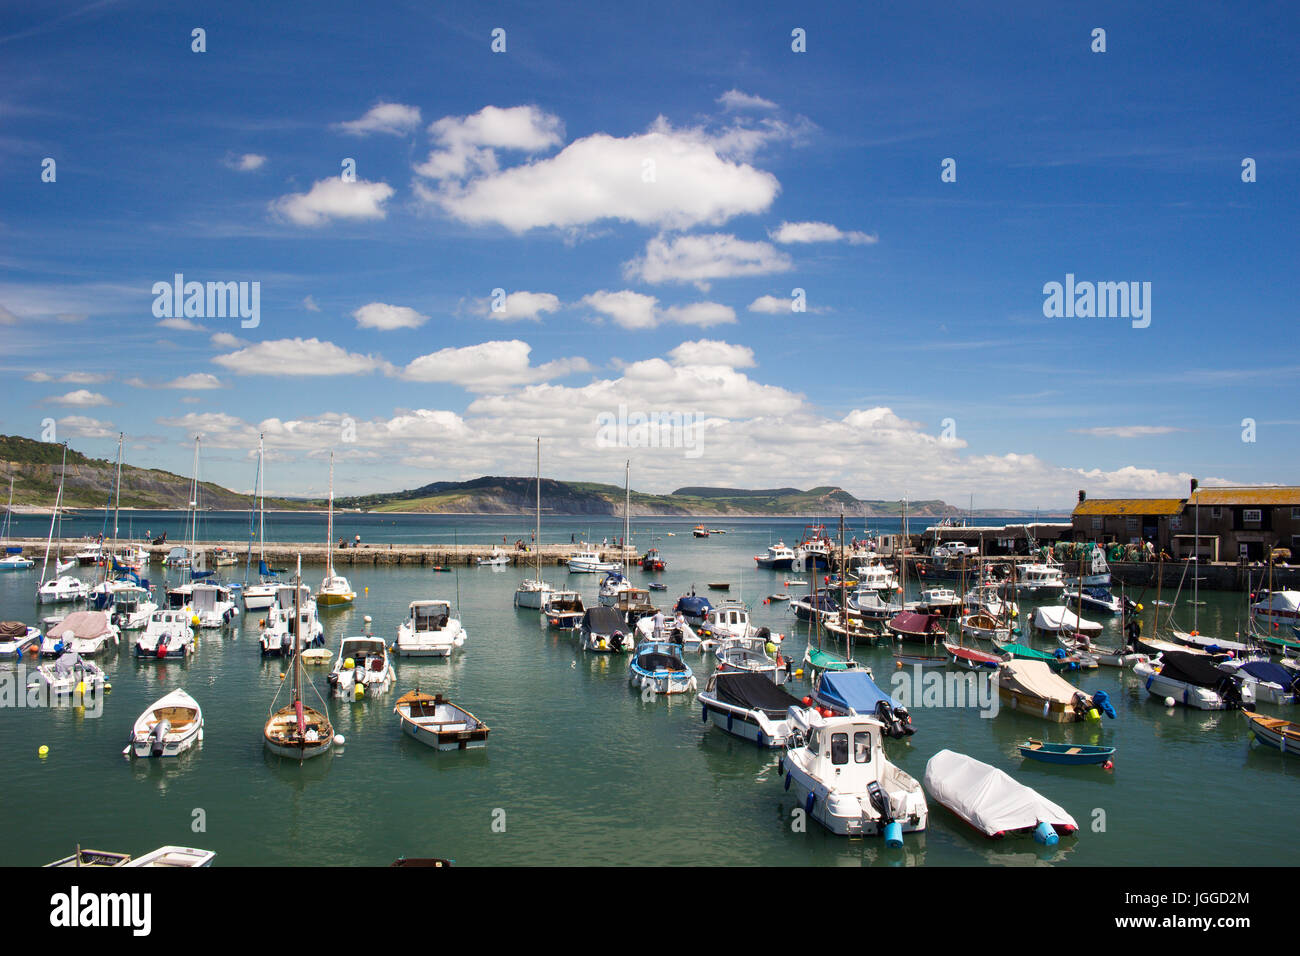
<point>845,752</point>
<point>429,615</point>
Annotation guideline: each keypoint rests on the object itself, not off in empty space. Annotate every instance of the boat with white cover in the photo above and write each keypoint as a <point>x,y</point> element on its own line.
<point>1061,620</point>
<point>429,631</point>
<point>992,802</point>
<point>837,770</point>
<point>88,633</point>
<point>1193,680</point>
<point>1096,598</point>
<point>748,706</point>
<point>169,726</point>
<point>1276,608</point>
<point>438,723</point>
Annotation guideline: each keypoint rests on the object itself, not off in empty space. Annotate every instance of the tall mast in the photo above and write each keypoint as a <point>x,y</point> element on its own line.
<point>627,510</point>
<point>537,534</point>
<point>194,508</point>
<point>55,513</point>
<point>329,526</point>
<point>1196,577</point>
<point>261,497</point>
<point>117,504</point>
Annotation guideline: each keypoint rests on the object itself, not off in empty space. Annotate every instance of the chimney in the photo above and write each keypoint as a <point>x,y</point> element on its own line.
<point>1083,495</point>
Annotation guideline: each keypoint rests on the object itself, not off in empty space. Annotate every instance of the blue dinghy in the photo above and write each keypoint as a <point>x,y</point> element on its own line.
<point>1065,753</point>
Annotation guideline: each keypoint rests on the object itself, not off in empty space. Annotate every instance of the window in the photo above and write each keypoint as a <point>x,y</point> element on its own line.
<point>1131,524</point>
<point>1252,515</point>
<point>1096,525</point>
<point>1216,512</point>
<point>1295,514</point>
<point>1176,522</point>
<point>839,749</point>
<point>815,743</point>
<point>862,747</point>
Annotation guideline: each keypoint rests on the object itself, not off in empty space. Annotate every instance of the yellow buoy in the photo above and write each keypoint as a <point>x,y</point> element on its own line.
<point>359,690</point>
<point>43,751</point>
<point>349,664</point>
<point>799,672</point>
<point>195,620</point>
<point>366,589</point>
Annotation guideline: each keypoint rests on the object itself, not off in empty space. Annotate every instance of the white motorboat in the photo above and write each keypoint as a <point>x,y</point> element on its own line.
<point>86,633</point>
<point>730,620</point>
<point>1039,578</point>
<point>68,675</point>
<point>362,668</point>
<point>212,604</point>
<point>16,562</point>
<point>497,559</point>
<point>13,559</point>
<point>779,557</point>
<point>174,856</point>
<point>439,723</point>
<point>563,610</point>
<point>170,726</point>
<point>532,593</point>
<point>658,666</point>
<point>1193,680</point>
<point>867,604</point>
<point>62,590</point>
<point>988,599</point>
<point>1276,609</point>
<point>748,706</point>
<point>941,601</point>
<point>258,597</point>
<point>429,631</point>
<point>874,576</point>
<point>168,635</point>
<point>673,629</point>
<point>740,655</point>
<point>992,802</point>
<point>612,585</point>
<point>1096,598</point>
<point>90,556</point>
<point>132,607</point>
<point>278,627</point>
<point>837,770</point>
<point>16,639</point>
<point>261,595</point>
<point>588,562</point>
<point>1272,683</point>
<point>1061,620</point>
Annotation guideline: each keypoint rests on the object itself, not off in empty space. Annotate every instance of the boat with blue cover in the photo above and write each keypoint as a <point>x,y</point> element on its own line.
<point>693,607</point>
<point>1069,754</point>
<point>853,693</point>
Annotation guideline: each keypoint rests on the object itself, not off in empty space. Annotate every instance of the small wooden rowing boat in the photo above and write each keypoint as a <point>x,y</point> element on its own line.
<point>1065,753</point>
<point>719,586</point>
<point>438,723</point>
<point>1280,734</point>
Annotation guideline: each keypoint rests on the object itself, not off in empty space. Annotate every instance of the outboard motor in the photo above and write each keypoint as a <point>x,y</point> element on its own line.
<point>163,641</point>
<point>763,634</point>
<point>1101,700</point>
<point>897,721</point>
<point>156,737</point>
<point>880,802</point>
<point>616,641</point>
<point>286,642</point>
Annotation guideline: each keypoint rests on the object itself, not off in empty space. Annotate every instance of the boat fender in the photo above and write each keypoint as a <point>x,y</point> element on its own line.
<point>894,835</point>
<point>704,714</point>
<point>1150,677</point>
<point>810,802</point>
<point>730,718</point>
<point>1044,834</point>
<point>780,766</point>
<point>787,780</point>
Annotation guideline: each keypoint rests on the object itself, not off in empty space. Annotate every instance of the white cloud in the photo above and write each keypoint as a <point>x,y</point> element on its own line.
<point>772,305</point>
<point>181,324</point>
<point>791,232</point>
<point>82,398</point>
<point>713,352</point>
<point>633,310</point>
<point>468,144</point>
<point>378,315</point>
<point>293,357</point>
<point>310,305</point>
<point>700,258</point>
<point>489,365</point>
<point>664,177</point>
<point>70,378</point>
<point>224,340</point>
<point>736,100</point>
<point>519,305</point>
<point>247,163</point>
<point>79,426</point>
<point>334,199</point>
<point>197,381</point>
<point>393,118</point>
<point>1126,431</point>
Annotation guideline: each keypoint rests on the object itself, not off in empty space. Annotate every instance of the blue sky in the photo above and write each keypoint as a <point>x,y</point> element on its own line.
<point>923,365</point>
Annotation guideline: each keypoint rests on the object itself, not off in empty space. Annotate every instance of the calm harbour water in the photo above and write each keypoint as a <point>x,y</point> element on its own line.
<point>579,767</point>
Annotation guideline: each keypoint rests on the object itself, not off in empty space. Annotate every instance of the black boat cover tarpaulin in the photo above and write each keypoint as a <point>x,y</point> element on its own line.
<point>753,692</point>
<point>1196,669</point>
<point>603,620</point>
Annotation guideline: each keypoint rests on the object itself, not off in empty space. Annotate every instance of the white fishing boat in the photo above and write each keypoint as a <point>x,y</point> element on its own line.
<point>87,633</point>
<point>64,589</point>
<point>612,585</point>
<point>13,559</point>
<point>1193,680</point>
<point>837,770</point>
<point>439,723</point>
<point>1061,620</point>
<point>779,557</point>
<point>658,666</point>
<point>992,802</point>
<point>168,635</point>
<point>279,630</point>
<point>874,576</point>
<point>987,598</point>
<point>1040,578</point>
<point>132,607</point>
<point>563,610</point>
<point>497,559</point>
<point>69,675</point>
<point>730,620</point>
<point>748,706</point>
<point>429,631</point>
<point>867,604</point>
<point>212,604</point>
<point>937,600</point>
<point>174,856</point>
<point>362,668</point>
<point>1097,598</point>
<point>589,562</point>
<point>740,656</point>
<point>17,639</point>
<point>674,629</point>
<point>170,726</point>
<point>297,731</point>
<point>334,591</point>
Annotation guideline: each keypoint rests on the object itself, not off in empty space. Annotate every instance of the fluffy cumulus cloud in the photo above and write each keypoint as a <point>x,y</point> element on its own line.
<point>379,315</point>
<point>517,305</point>
<point>488,365</point>
<point>798,232</point>
<point>713,352</point>
<point>247,163</point>
<point>395,119</point>
<point>198,381</point>
<point>81,426</point>
<point>80,398</point>
<point>334,198</point>
<point>702,258</point>
<point>634,310</point>
<point>772,305</point>
<point>665,177</point>
<point>298,357</point>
